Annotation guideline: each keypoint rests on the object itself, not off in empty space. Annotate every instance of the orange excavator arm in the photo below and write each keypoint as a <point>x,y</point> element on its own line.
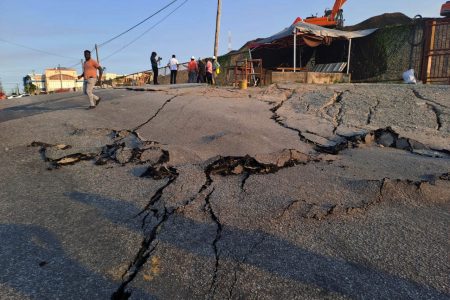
<point>331,18</point>
<point>336,8</point>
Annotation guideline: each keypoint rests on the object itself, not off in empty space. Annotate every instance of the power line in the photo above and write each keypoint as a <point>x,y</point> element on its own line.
<point>106,42</point>
<point>128,30</point>
<point>74,65</point>
<point>79,60</point>
<point>34,49</point>
<point>145,32</point>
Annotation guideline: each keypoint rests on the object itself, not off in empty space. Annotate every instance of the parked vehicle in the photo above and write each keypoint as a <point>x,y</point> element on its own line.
<point>18,96</point>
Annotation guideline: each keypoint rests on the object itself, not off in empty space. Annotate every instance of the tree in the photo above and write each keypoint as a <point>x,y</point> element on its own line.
<point>28,85</point>
<point>30,88</point>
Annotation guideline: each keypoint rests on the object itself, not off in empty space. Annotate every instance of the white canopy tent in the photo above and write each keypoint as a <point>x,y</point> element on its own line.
<point>322,33</point>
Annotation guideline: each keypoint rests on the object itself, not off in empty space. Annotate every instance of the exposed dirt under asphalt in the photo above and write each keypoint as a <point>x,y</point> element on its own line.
<point>285,192</point>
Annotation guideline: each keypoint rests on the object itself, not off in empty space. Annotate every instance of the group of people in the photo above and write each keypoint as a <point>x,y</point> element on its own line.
<point>199,71</point>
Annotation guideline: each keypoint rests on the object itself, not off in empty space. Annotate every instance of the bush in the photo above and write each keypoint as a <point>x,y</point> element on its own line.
<point>30,88</point>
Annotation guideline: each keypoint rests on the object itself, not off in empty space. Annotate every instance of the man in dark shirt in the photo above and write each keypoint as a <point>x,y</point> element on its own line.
<point>155,61</point>
<point>201,71</point>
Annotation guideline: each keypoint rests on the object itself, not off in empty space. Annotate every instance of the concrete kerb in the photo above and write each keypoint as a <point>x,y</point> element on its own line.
<point>155,88</point>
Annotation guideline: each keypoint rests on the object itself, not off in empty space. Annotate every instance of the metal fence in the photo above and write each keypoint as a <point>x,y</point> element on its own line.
<point>436,58</point>
<point>164,71</point>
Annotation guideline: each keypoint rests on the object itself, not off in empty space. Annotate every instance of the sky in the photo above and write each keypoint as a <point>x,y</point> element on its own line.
<point>66,28</point>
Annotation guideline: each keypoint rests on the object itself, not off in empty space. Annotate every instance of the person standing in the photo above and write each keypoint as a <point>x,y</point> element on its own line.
<point>90,67</point>
<point>173,66</point>
<point>155,62</point>
<point>209,71</point>
<point>201,71</point>
<point>192,70</point>
<point>216,69</point>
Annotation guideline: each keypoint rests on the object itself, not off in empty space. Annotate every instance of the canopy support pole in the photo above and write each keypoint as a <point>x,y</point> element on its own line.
<point>295,49</point>
<point>349,54</point>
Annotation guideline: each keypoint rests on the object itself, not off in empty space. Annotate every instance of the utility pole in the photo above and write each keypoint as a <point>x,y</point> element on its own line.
<point>60,76</point>
<point>82,72</point>
<point>216,42</point>
<point>96,53</point>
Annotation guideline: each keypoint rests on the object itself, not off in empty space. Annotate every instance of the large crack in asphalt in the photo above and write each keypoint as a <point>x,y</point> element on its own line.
<point>277,118</point>
<point>334,100</point>
<point>213,216</point>
<point>222,166</point>
<point>337,120</point>
<point>342,143</point>
<point>156,209</point>
<point>386,137</point>
<point>372,110</point>
<point>128,147</point>
<point>385,190</point>
<point>156,113</point>
<point>147,245</point>
<point>235,166</point>
<point>432,106</point>
<point>419,96</point>
<point>437,113</point>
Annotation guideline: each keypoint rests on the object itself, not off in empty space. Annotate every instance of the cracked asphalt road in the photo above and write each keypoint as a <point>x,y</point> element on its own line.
<point>286,192</point>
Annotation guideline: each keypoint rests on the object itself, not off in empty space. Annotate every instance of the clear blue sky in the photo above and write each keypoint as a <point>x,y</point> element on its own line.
<point>68,27</point>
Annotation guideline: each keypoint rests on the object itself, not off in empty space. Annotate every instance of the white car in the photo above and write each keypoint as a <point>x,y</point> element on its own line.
<point>18,96</point>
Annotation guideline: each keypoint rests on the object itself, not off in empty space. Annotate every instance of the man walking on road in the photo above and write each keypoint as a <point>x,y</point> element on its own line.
<point>173,65</point>
<point>90,68</point>
<point>193,70</point>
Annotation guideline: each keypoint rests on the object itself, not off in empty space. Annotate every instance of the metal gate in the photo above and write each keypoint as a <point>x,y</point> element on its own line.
<point>436,58</point>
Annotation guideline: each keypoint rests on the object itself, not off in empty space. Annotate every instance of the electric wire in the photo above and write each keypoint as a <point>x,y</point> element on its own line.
<point>117,36</point>
<point>79,61</point>
<point>131,28</point>
<point>34,49</point>
<point>108,41</point>
<point>145,32</point>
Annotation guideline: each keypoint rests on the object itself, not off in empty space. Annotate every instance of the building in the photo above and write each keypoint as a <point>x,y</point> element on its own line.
<point>110,76</point>
<point>62,79</point>
<point>59,80</point>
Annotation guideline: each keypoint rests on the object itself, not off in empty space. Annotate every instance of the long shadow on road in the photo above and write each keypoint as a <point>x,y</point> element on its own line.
<point>34,263</point>
<point>54,103</point>
<point>273,255</point>
<point>35,108</point>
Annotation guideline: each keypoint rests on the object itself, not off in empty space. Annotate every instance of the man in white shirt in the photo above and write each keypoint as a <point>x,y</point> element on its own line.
<point>173,65</point>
